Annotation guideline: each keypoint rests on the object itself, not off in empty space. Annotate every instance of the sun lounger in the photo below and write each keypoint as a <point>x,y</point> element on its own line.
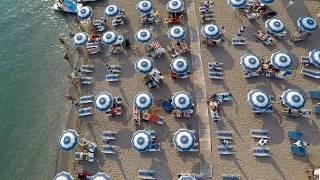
<point>305,59</point>
<point>108,149</point>
<point>296,150</point>
<point>295,135</point>
<point>82,156</point>
<point>299,113</point>
<point>167,106</point>
<point>153,118</point>
<point>251,74</point>
<point>225,150</point>
<point>152,133</point>
<point>87,68</point>
<point>86,80</point>
<point>261,152</point>
<point>267,41</point>
<point>316,109</point>
<point>112,77</point>
<point>224,135</point>
<point>154,147</point>
<point>195,148</point>
<point>109,135</point>
<point>182,114</point>
<point>146,174</point>
<point>86,99</point>
<point>92,45</point>
<point>260,133</point>
<point>136,116</point>
<point>215,66</point>
<point>214,116</point>
<point>311,73</point>
<point>259,111</point>
<point>89,145</point>
<point>85,112</point>
<point>115,111</point>
<point>239,40</point>
<point>152,84</point>
<point>224,96</point>
<point>314,94</point>
<point>230,177</point>
<point>216,75</point>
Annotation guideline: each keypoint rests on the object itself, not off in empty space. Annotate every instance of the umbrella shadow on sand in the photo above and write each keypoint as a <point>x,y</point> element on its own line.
<point>222,55</point>
<point>274,164</point>
<point>125,134</point>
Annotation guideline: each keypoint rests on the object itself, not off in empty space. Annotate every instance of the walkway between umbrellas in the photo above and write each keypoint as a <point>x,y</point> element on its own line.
<point>201,94</point>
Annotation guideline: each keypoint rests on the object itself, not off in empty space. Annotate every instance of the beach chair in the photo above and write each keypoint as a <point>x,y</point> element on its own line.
<point>87,68</point>
<point>230,177</point>
<point>295,135</point>
<point>214,116</point>
<point>83,112</point>
<point>297,150</point>
<point>225,150</point>
<point>86,80</point>
<point>153,118</point>
<point>238,40</point>
<point>224,96</point>
<point>108,149</point>
<point>112,78</point>
<point>305,59</point>
<point>264,37</point>
<point>314,94</point>
<point>216,75</point>
<point>115,111</point>
<point>109,135</point>
<point>316,109</point>
<point>146,174</point>
<point>260,133</point>
<point>82,156</point>
<point>311,73</point>
<point>136,118</point>
<point>224,135</point>
<point>154,147</point>
<point>167,106</point>
<point>261,152</point>
<point>87,144</point>
<point>86,99</point>
<point>215,66</point>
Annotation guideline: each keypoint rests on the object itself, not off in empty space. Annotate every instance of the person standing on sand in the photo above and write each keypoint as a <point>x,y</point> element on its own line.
<point>291,2</point>
<point>66,57</point>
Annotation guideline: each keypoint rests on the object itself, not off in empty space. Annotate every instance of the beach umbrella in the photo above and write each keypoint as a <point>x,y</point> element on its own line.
<point>210,31</point>
<point>111,11</point>
<point>181,101</point>
<point>237,3</point>
<point>175,6</point>
<point>281,60</point>
<point>184,140</point>
<point>144,65</point>
<point>179,65</point>
<point>145,6</point>
<point>100,176</point>
<point>81,39</point>
<point>69,140</point>
<point>143,101</point>
<point>250,62</point>
<point>85,13</point>
<point>275,26</point>
<point>307,24</point>
<point>293,99</point>
<point>109,37</point>
<point>266,1</point>
<point>314,57</point>
<point>176,32</point>
<point>187,178</point>
<point>144,36</point>
<point>63,176</point>
<point>258,99</point>
<point>141,140</point>
<point>103,101</point>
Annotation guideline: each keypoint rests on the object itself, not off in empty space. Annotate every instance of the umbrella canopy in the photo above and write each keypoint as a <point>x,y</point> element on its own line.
<point>85,13</point>
<point>69,140</point>
<point>250,62</point>
<point>144,36</point>
<point>100,176</point>
<point>144,65</point>
<point>237,3</point>
<point>109,37</point>
<point>184,140</point>
<point>175,6</point>
<point>314,57</point>
<point>176,32</point>
<point>281,60</point>
<point>143,101</point>
<point>293,99</point>
<point>111,11</point>
<point>179,65</point>
<point>307,24</point>
<point>81,39</point>
<point>63,176</point>
<point>181,101</point>
<point>187,178</point>
<point>275,26</point>
<point>210,31</point>
<point>141,140</point>
<point>258,99</point>
<point>266,1</point>
<point>144,6</point>
<point>103,101</point>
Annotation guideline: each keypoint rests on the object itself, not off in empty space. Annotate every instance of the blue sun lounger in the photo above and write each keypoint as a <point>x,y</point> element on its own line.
<point>230,177</point>
<point>224,96</point>
<point>112,77</point>
<point>224,135</point>
<point>225,150</point>
<point>167,106</point>
<point>86,99</point>
<point>311,73</point>
<point>259,133</point>
<point>109,135</point>
<point>261,152</point>
<point>316,109</point>
<point>108,149</point>
<point>296,150</point>
<point>146,174</point>
<point>85,112</point>
<point>295,135</point>
<point>87,68</point>
<point>314,94</point>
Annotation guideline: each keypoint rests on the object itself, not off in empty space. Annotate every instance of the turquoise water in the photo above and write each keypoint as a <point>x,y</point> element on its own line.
<point>32,72</point>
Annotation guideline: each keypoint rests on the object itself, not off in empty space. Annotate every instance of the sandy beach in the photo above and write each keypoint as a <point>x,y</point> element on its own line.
<point>236,117</point>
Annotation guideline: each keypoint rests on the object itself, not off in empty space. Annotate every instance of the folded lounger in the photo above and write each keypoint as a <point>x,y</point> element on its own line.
<point>146,174</point>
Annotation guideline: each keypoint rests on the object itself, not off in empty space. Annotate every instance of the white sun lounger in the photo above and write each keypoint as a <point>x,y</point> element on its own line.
<point>225,150</point>
<point>216,75</point>
<point>108,149</point>
<point>85,112</point>
<point>261,152</point>
<point>86,99</point>
<point>311,73</point>
<point>86,80</point>
<point>224,135</point>
<point>260,133</point>
<point>87,68</point>
<point>195,148</point>
<point>305,59</point>
<point>230,177</point>
<point>215,66</point>
<point>112,78</point>
<point>146,174</point>
<point>109,135</point>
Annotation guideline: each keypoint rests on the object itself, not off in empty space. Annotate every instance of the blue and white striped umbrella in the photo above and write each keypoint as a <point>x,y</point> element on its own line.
<point>182,101</point>
<point>184,140</point>
<point>187,178</point>
<point>314,57</point>
<point>81,39</point>
<point>144,65</point>
<point>145,6</point>
<point>69,140</point>
<point>176,32</point>
<point>307,24</point>
<point>85,13</point>
<point>100,176</point>
<point>141,140</point>
<point>275,26</point>
<point>281,60</point>
<point>250,62</point>
<point>111,11</point>
<point>266,1</point>
<point>144,36</point>
<point>293,99</point>
<point>143,101</point>
<point>258,99</point>
<point>175,6</point>
<point>210,31</point>
<point>63,176</point>
<point>103,101</point>
<point>179,65</point>
<point>109,37</point>
<point>237,3</point>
